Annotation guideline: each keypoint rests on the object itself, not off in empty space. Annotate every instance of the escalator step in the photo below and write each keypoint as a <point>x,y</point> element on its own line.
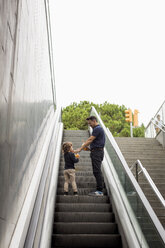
<point>83,228</point>
<point>87,240</point>
<point>83,207</point>
<point>81,199</point>
<point>84,217</point>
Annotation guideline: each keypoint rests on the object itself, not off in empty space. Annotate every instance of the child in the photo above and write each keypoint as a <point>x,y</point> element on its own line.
<point>69,170</point>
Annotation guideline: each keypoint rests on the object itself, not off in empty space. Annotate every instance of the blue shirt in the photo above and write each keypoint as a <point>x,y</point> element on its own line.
<point>99,141</point>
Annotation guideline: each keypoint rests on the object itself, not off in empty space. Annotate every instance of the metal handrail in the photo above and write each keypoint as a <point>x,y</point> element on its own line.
<point>149,179</point>
<point>156,114</point>
<point>158,124</point>
<point>139,191</point>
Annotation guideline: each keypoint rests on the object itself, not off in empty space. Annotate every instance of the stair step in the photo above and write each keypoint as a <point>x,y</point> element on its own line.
<point>87,240</point>
<point>79,168</point>
<point>81,191</point>
<point>83,207</point>
<point>85,228</point>
<point>147,186</point>
<point>155,180</point>
<point>84,217</point>
<point>80,184</point>
<point>83,221</point>
<point>81,162</point>
<point>83,179</point>
<point>79,173</point>
<point>81,199</point>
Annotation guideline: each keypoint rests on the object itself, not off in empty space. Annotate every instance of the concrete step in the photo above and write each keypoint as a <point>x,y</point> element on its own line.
<point>85,228</point>
<point>149,192</point>
<point>147,186</point>
<point>83,207</point>
<point>155,180</point>
<point>152,156</point>
<point>146,161</point>
<point>129,140</point>
<point>87,240</point>
<point>144,154</point>
<point>139,147</point>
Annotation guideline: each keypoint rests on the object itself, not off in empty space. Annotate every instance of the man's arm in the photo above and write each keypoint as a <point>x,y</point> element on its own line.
<point>86,143</point>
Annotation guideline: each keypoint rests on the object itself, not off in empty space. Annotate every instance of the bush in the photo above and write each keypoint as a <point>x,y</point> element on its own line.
<point>74,118</point>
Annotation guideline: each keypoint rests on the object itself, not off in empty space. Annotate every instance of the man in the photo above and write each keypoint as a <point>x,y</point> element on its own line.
<point>96,142</point>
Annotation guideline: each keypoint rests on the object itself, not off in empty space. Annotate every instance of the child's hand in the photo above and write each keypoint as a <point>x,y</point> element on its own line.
<point>77,150</point>
<point>77,155</point>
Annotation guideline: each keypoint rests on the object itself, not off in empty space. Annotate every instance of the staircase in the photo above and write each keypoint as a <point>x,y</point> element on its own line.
<point>83,221</point>
<point>152,156</point>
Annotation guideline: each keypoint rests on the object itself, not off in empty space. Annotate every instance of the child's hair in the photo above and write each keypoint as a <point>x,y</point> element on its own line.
<point>66,147</point>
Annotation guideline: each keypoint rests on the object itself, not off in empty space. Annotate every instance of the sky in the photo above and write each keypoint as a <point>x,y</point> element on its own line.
<point>110,51</point>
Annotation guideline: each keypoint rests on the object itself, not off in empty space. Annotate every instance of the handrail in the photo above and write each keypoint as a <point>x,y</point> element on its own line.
<point>149,179</point>
<point>158,124</point>
<point>47,226</point>
<point>30,213</point>
<point>156,114</point>
<point>139,191</point>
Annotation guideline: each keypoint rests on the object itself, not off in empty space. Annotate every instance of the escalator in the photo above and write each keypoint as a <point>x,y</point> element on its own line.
<point>83,221</point>
<point>123,217</point>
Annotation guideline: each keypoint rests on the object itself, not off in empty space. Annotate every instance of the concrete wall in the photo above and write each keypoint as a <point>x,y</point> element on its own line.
<point>25,98</point>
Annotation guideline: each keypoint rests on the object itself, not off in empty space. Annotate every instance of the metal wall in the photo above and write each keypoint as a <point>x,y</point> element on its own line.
<point>25,101</point>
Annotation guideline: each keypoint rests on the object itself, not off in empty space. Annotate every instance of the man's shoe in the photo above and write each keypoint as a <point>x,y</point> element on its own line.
<point>96,193</point>
<point>65,193</point>
<point>75,193</point>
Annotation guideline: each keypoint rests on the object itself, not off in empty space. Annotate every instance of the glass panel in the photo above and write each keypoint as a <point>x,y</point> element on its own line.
<point>148,228</point>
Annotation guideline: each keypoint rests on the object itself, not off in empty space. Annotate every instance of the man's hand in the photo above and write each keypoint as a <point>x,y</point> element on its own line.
<point>85,144</point>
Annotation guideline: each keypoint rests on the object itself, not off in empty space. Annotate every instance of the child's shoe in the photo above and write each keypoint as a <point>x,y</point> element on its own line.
<point>65,193</point>
<point>75,194</point>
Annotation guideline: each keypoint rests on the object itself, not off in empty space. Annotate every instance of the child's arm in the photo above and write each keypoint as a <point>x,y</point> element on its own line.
<point>73,158</point>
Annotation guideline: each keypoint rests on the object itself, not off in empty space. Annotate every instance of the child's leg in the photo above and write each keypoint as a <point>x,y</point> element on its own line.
<point>66,183</point>
<point>72,179</point>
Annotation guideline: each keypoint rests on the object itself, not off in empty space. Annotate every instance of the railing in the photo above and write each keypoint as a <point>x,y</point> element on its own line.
<point>138,164</point>
<point>34,226</point>
<point>156,123</point>
<point>135,213</point>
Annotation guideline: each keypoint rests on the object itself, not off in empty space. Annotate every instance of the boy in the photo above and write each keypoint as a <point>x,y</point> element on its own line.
<point>69,170</point>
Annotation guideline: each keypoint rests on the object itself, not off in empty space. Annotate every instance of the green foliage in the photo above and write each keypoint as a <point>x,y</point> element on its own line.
<point>139,131</point>
<point>74,118</point>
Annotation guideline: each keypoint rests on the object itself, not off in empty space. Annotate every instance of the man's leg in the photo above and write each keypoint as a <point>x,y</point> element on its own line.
<point>97,157</point>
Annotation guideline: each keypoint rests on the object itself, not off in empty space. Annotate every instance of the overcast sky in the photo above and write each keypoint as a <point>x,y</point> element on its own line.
<point>110,51</point>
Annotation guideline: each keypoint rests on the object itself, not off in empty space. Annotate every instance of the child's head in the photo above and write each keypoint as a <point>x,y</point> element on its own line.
<point>67,147</point>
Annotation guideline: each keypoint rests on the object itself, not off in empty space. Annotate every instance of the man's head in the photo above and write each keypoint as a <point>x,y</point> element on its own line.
<point>92,121</point>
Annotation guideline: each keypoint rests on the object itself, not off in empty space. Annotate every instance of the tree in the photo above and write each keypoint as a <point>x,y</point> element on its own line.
<point>74,118</point>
